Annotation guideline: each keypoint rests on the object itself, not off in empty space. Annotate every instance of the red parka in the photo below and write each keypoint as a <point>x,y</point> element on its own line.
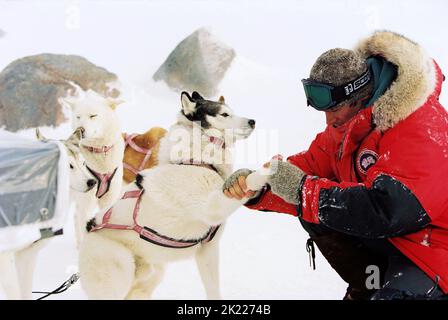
<point>384,174</point>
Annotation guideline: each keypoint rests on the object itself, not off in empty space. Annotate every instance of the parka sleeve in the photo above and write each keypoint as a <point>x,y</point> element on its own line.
<point>315,161</point>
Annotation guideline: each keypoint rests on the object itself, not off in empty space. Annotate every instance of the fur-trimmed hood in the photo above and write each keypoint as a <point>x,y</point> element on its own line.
<point>416,79</point>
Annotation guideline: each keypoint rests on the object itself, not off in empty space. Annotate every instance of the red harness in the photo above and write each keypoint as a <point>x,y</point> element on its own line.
<point>104,181</point>
<point>129,140</point>
<point>146,233</point>
<point>217,141</point>
<point>103,149</point>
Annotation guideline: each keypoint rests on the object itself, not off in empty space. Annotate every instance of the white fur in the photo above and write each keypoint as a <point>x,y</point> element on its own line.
<point>257,179</point>
<point>180,201</point>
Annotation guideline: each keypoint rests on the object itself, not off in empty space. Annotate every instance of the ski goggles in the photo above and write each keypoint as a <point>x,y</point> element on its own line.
<point>322,96</point>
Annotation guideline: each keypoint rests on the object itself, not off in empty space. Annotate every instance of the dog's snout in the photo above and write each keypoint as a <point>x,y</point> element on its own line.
<point>252,123</point>
<point>81,131</point>
<point>91,183</point>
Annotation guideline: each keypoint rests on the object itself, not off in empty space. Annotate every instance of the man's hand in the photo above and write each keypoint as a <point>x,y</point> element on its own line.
<point>235,187</point>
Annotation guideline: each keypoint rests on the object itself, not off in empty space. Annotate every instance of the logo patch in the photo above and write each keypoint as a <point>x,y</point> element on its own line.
<point>366,159</point>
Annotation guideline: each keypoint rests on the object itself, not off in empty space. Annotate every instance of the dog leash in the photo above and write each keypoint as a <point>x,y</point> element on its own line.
<point>62,288</point>
<point>311,252</point>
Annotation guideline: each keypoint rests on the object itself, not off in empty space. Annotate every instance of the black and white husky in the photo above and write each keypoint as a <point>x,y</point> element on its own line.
<point>181,206</point>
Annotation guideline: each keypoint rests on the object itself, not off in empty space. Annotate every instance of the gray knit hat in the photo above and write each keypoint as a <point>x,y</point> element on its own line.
<point>339,66</point>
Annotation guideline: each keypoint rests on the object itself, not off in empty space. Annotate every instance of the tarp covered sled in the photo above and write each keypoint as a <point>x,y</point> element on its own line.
<point>34,190</point>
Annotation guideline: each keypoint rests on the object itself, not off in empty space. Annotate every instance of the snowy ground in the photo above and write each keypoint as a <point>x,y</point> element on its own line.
<point>263,255</point>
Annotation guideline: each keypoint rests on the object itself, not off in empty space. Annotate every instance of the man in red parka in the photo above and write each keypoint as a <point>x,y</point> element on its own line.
<point>371,190</point>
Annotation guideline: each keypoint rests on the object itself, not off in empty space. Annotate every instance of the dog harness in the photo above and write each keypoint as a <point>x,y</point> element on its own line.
<point>129,141</point>
<point>149,234</point>
<point>104,181</point>
<point>217,141</point>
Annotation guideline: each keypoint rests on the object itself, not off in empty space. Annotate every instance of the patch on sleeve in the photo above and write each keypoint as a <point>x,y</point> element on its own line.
<point>366,159</point>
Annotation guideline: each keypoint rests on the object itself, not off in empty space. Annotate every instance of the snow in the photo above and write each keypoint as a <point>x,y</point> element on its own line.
<point>263,255</point>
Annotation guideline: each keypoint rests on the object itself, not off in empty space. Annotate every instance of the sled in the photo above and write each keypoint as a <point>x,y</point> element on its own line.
<point>34,190</point>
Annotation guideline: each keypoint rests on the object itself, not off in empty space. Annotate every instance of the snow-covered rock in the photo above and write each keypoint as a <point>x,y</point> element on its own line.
<point>2,33</point>
<point>30,88</point>
<point>199,62</point>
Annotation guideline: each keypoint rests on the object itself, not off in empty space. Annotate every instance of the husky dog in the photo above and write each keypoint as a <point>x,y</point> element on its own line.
<point>17,268</point>
<point>81,180</point>
<point>102,146</point>
<point>179,206</point>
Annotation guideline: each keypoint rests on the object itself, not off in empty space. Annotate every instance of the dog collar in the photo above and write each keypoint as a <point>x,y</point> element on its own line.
<point>217,141</point>
<point>103,149</point>
<point>192,162</point>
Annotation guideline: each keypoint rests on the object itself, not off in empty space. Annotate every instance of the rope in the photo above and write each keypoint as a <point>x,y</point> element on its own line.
<point>311,252</point>
<point>62,288</point>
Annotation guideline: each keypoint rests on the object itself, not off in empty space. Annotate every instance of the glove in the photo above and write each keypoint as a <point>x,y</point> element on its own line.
<point>286,181</point>
<point>233,178</point>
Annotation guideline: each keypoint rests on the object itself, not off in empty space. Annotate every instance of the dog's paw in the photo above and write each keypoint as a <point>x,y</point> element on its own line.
<point>257,180</point>
<point>234,178</point>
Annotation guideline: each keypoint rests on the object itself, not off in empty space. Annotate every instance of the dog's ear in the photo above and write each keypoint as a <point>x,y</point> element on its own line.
<point>221,99</point>
<point>188,105</point>
<point>73,148</point>
<point>67,102</point>
<point>72,95</point>
<point>39,136</point>
<point>196,96</point>
<point>113,103</point>
<point>73,141</point>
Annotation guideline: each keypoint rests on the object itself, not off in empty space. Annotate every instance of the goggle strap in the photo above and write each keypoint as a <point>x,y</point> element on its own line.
<point>346,90</point>
<point>338,94</point>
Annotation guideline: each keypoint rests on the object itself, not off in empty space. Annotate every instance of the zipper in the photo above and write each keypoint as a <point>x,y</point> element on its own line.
<point>340,148</point>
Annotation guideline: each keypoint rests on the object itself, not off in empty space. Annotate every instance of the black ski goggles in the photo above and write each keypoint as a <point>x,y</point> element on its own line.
<point>322,96</point>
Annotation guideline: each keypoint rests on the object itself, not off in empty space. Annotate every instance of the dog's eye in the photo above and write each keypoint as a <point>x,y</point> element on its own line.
<point>93,116</point>
<point>71,166</point>
<point>225,115</point>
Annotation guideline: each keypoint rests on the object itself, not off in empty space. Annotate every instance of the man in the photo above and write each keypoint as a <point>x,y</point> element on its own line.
<point>371,189</point>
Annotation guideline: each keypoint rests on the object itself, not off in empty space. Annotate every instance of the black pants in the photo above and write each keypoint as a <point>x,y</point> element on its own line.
<point>349,256</point>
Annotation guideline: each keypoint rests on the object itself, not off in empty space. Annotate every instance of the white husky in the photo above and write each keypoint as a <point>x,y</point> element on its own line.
<point>102,147</point>
<point>180,206</point>
<point>17,267</point>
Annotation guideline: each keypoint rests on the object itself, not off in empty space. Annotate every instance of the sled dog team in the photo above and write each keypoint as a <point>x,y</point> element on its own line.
<point>159,197</point>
